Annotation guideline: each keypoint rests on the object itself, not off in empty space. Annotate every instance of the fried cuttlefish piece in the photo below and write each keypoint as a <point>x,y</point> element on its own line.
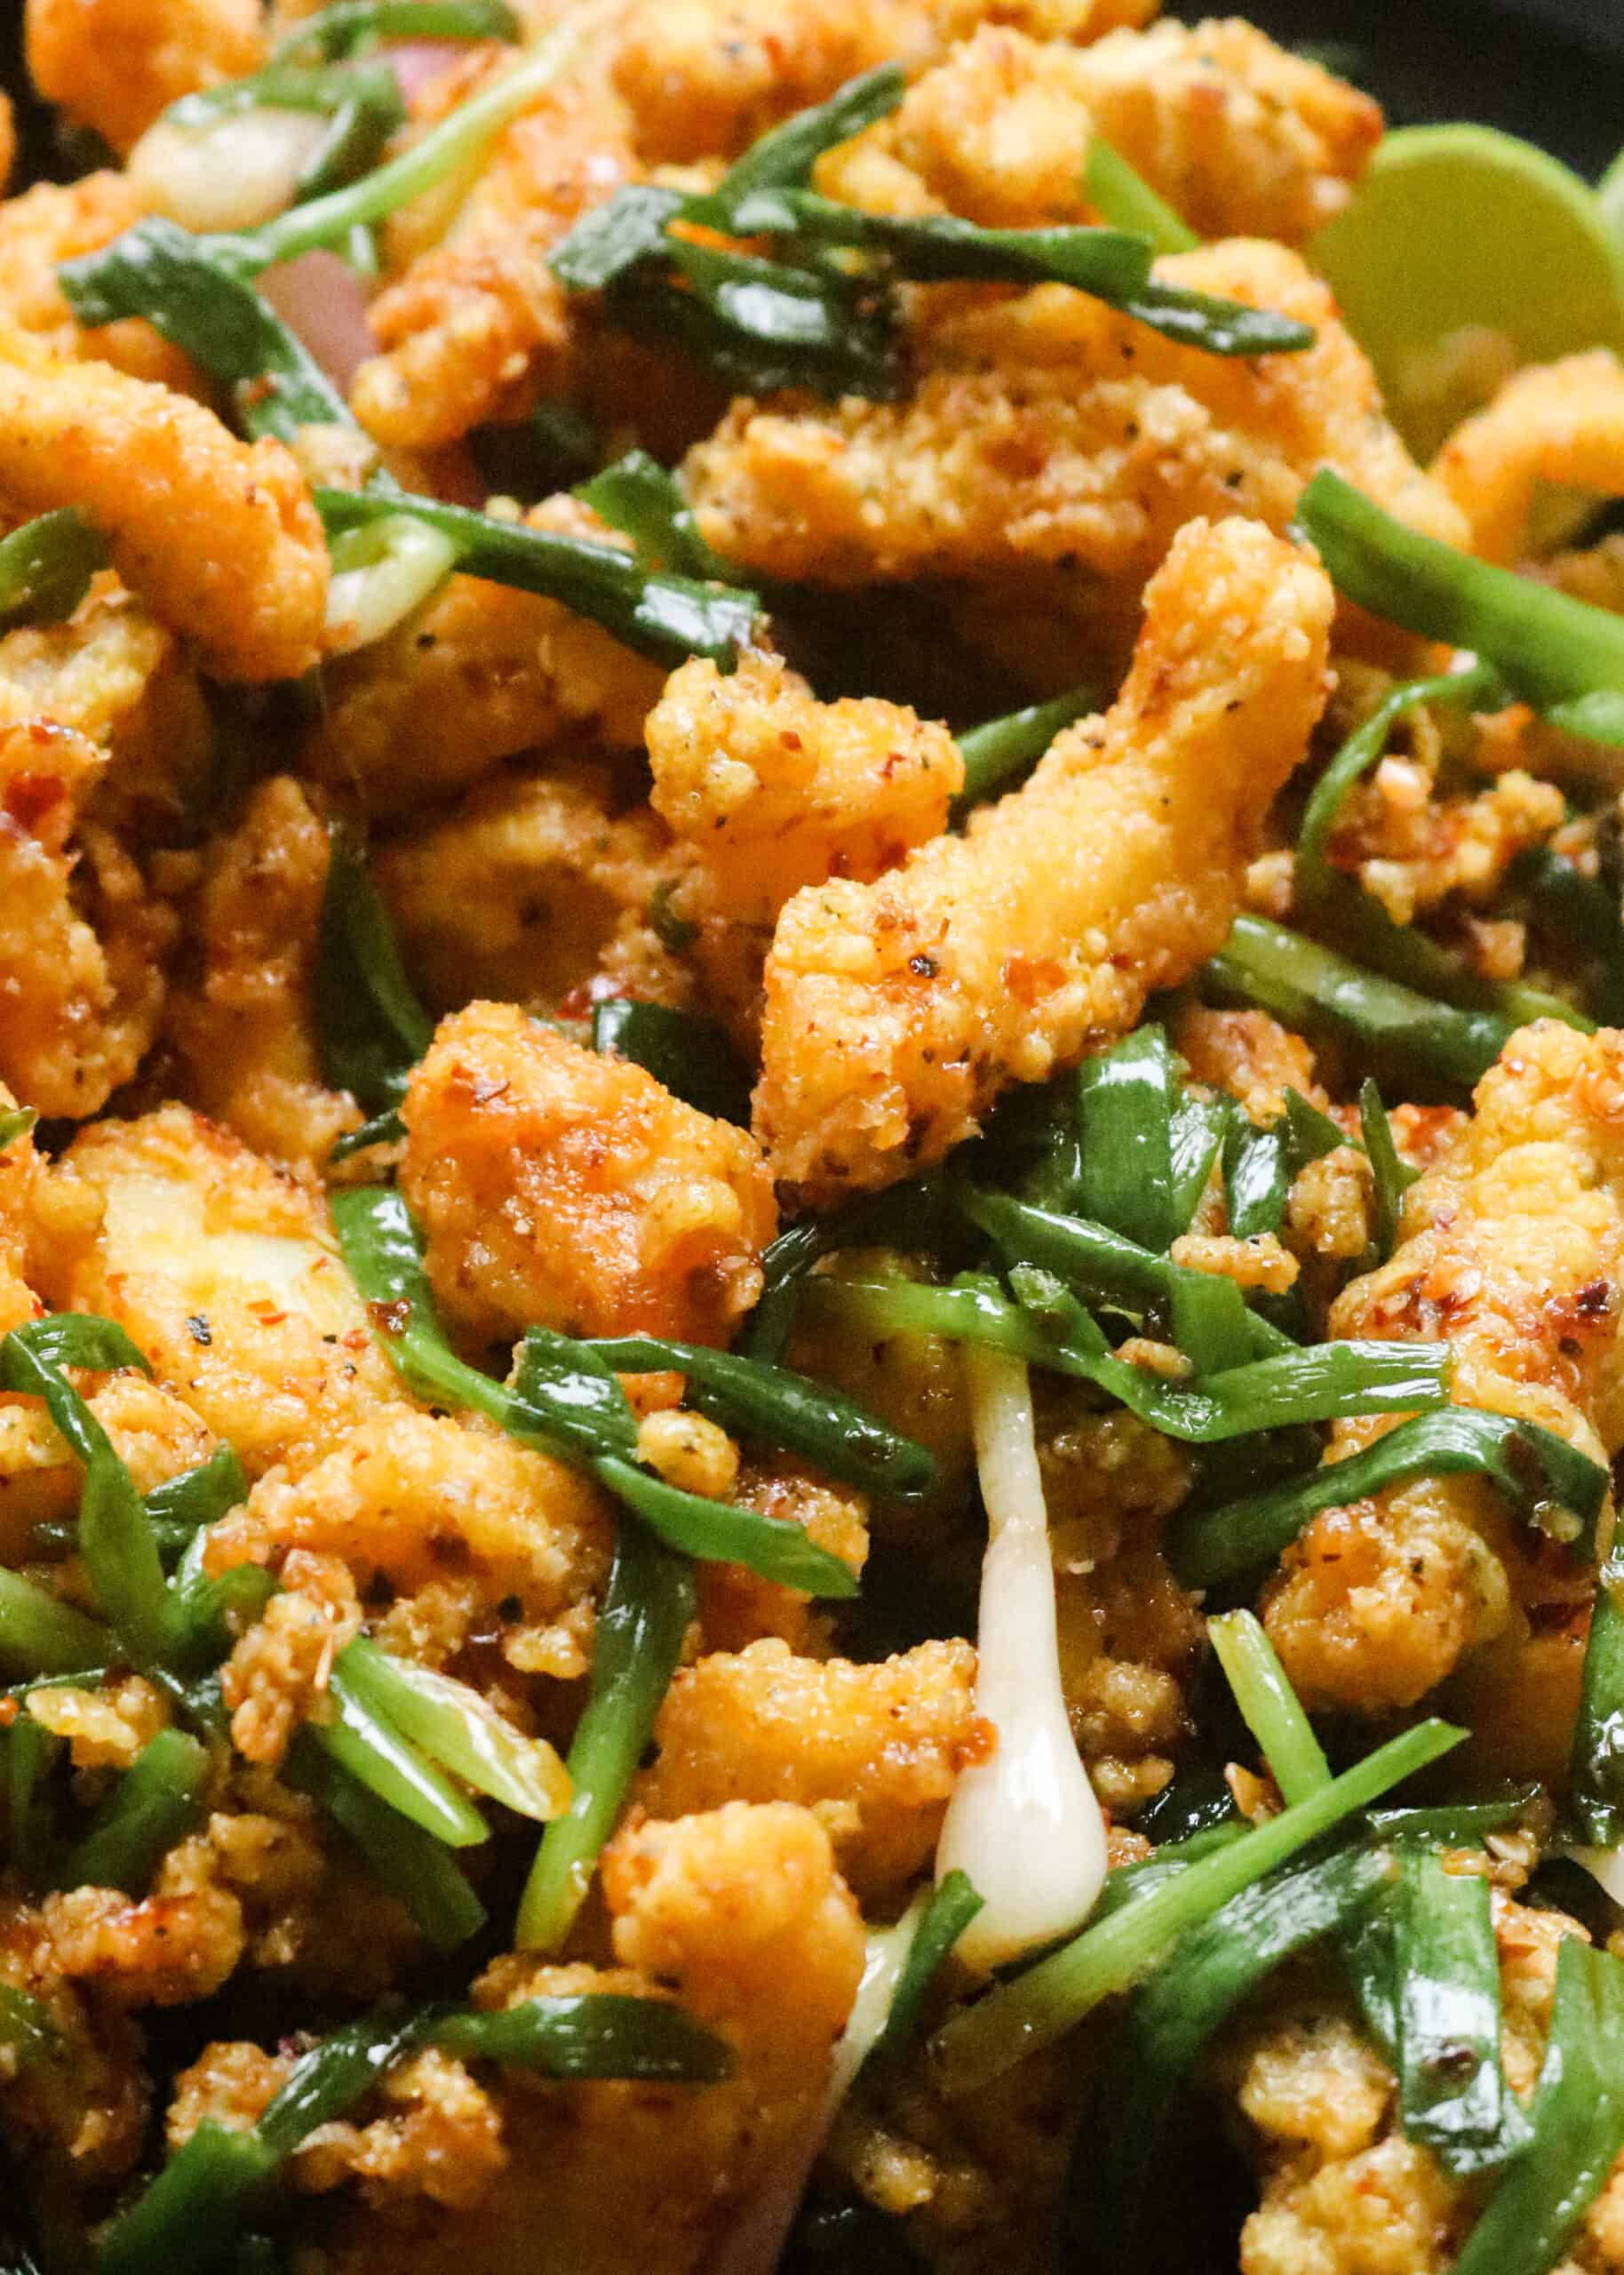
<point>897,1011</point>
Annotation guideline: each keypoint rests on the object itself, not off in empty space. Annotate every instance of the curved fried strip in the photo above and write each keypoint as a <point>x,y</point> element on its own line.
<point>1048,427</point>
<point>897,1011</point>
<point>219,537</point>
<point>1242,138</point>
<point>1554,422</point>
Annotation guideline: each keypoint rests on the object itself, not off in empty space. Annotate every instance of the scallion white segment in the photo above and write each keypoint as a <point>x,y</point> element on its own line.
<point>1024,1825</point>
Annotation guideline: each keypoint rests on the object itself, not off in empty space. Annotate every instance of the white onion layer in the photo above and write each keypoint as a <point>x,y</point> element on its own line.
<point>231,174</point>
<point>1024,1825</point>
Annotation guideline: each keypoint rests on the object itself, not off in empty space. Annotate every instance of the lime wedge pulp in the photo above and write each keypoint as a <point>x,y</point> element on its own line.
<point>1464,253</point>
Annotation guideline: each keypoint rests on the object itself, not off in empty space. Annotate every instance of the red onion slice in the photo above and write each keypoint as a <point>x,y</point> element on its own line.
<point>320,298</point>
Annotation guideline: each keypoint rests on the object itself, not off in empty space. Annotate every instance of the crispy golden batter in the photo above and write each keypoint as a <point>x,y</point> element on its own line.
<point>223,1271</point>
<point>243,1021</point>
<point>528,888</point>
<point>895,1013</point>
<point>1047,428</point>
<point>875,1751</point>
<point>49,224</point>
<point>219,537</point>
<point>1552,423</point>
<point>742,1914</point>
<point>1513,1248</point>
<point>478,324</point>
<point>278,1672</point>
<point>738,1607</point>
<point>1250,1054</point>
<point>20,1167</point>
<point>562,1189</point>
<point>1240,136</point>
<point>774,790</point>
<point>83,942</point>
<point>414,1500</point>
<point>478,676</point>
<point>113,64</point>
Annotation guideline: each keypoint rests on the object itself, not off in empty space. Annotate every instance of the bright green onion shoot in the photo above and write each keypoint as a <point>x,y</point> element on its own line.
<point>455,1725</point>
<point>1453,2097</point>
<point>1269,1705</point>
<point>1550,1484</point>
<point>14,1123</point>
<point>1125,199</point>
<point>370,1027</point>
<point>365,1741</point>
<point>46,567</point>
<point>641,1626</point>
<point>337,31</point>
<point>997,755</point>
<point>156,1803</point>
<point>382,573</point>
<point>40,1633</point>
<point>1018,2017</point>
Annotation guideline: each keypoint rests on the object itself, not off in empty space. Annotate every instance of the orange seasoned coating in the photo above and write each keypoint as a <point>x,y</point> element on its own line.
<point>20,1167</point>
<point>278,1672</point>
<point>414,1498</point>
<point>737,1606</point>
<point>84,2115</point>
<point>481,674</point>
<point>1048,428</point>
<point>774,790</point>
<point>51,223</point>
<point>1559,422</point>
<point>1241,137</point>
<point>528,886</point>
<point>8,140</point>
<point>223,1270</point>
<point>898,1011</point>
<point>875,1751</point>
<point>742,1915</point>
<point>219,537</point>
<point>154,1434</point>
<point>562,1189</point>
<point>175,1945</point>
<point>242,1019</point>
<point>113,64</point>
<point>1250,1054</point>
<point>1513,1248</point>
<point>84,943</point>
<point>478,324</point>
<point>704,78</point>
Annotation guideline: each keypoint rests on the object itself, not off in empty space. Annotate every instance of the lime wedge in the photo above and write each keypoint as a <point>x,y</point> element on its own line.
<point>1465,253</point>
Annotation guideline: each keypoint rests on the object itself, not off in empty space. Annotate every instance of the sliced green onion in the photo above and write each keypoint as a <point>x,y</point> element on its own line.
<point>785,157</point>
<point>1552,651</point>
<point>381,575</point>
<point>414,1866</point>
<point>366,1742</point>
<point>29,1750</point>
<point>46,567</point>
<point>1126,200</point>
<point>456,141</point>
<point>894,1216</point>
<point>1018,2017</point>
<point>1260,1165</point>
<point>1108,263</point>
<point>667,617</point>
<point>756,1401</point>
<point>1121,2154</point>
<point>371,1028</point>
<point>1125,1100</point>
<point>1453,2097</point>
<point>642,499</point>
<point>1330,1381</point>
<point>1550,1483</point>
<point>156,1802</point>
<point>1269,1705</point>
<point>457,1728</point>
<point>16,1123</point>
<point>762,325</point>
<point>115,1533</point>
<point>40,1634</point>
<point>1103,1267</point>
<point>200,1496</point>
<point>644,1619</point>
<point>594,2034</point>
<point>1306,985</point>
<point>1391,1178</point>
<point>26,2031</point>
<point>944,1916</point>
<point>386,1129</point>
<point>337,30</point>
<point>566,1401</point>
<point>1578,2116</point>
<point>996,754</point>
<point>692,1056</point>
